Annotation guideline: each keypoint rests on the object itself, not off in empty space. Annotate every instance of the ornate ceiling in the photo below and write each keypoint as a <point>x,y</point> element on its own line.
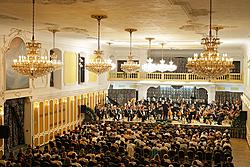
<point>182,22</point>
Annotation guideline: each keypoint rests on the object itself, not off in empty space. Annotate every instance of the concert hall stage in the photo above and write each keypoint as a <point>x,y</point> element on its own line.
<point>193,124</point>
<point>235,132</point>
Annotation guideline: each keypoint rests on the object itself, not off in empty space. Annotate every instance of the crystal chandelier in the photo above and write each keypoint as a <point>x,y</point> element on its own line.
<point>130,66</point>
<point>162,67</point>
<point>210,64</point>
<point>113,65</point>
<point>149,66</point>
<point>53,55</point>
<point>171,66</point>
<point>99,65</point>
<point>33,64</point>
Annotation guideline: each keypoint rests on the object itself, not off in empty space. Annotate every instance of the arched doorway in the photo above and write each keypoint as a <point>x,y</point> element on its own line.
<point>15,80</point>
<point>56,77</point>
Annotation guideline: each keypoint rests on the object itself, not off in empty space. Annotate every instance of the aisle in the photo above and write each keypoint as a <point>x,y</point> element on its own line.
<point>241,152</point>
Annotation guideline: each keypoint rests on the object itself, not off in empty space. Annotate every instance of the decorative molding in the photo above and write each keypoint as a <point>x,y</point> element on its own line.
<point>55,93</point>
<point>193,14</point>
<point>187,8</point>
<point>75,30</point>
<point>13,94</point>
<point>2,96</point>
<point>51,24</point>
<point>198,28</point>
<point>246,100</point>
<point>14,32</point>
<point>7,17</point>
<point>62,2</point>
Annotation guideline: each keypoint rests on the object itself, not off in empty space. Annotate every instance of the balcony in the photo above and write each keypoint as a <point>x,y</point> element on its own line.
<point>171,77</point>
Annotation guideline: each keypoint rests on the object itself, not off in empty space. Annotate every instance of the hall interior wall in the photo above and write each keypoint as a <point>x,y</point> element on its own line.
<point>51,110</point>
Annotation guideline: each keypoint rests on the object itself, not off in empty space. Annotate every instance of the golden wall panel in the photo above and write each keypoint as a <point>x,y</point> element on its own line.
<point>51,136</point>
<point>1,142</point>
<point>92,76</point>
<point>71,113</point>
<point>68,110</point>
<point>64,111</point>
<point>36,142</point>
<point>75,109</point>
<point>36,108</point>
<point>41,139</point>
<point>70,67</point>
<point>46,115</point>
<point>60,112</point>
<point>91,101</point>
<point>51,114</point>
<point>1,153</point>
<point>55,116</point>
<point>41,116</point>
<point>46,138</point>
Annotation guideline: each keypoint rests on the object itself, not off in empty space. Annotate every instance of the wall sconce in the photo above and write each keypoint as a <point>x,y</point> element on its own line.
<point>64,100</point>
<point>56,101</point>
<point>36,105</point>
<point>46,102</point>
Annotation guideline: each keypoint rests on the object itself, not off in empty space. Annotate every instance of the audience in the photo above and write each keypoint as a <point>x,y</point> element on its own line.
<point>130,144</point>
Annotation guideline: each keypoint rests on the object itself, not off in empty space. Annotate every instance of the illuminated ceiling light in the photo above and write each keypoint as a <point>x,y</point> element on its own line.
<point>33,64</point>
<point>149,66</point>
<point>130,66</point>
<point>113,65</point>
<point>99,65</point>
<point>210,64</point>
<point>162,67</point>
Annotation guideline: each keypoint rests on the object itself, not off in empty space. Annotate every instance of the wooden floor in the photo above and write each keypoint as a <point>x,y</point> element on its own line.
<point>241,153</point>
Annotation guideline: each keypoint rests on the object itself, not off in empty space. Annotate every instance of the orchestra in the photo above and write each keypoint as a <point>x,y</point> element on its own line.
<point>168,110</point>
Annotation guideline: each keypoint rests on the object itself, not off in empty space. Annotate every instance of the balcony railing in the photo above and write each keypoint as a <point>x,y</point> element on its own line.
<point>184,77</point>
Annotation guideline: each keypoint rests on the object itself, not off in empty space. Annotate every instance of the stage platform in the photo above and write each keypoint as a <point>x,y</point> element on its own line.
<point>193,124</point>
<point>170,122</point>
<point>235,132</point>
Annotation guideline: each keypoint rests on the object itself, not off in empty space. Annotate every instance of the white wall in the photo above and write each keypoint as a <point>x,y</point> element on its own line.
<point>246,96</point>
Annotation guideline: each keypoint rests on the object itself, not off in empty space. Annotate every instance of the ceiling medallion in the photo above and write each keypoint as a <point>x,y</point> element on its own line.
<point>98,65</point>
<point>33,64</point>
<point>210,64</point>
<point>130,66</point>
<point>149,66</point>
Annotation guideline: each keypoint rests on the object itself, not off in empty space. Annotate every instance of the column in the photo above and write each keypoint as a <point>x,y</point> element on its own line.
<point>28,121</point>
<point>1,123</point>
<point>142,92</point>
<point>211,93</point>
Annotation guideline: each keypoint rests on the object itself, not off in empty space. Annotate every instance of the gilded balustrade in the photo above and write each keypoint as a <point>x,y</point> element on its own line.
<point>184,77</point>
